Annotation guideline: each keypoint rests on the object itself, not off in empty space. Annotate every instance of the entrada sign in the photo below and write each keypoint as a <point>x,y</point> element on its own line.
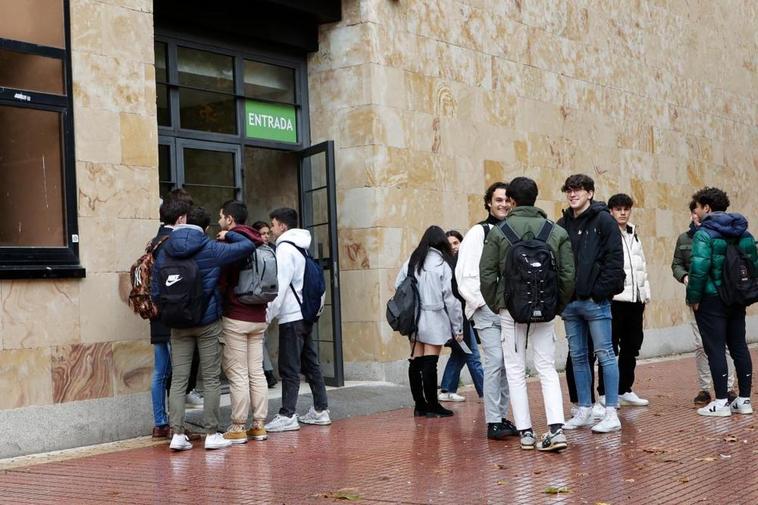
<point>270,121</point>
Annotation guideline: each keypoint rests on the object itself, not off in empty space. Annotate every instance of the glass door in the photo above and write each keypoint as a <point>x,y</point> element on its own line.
<point>318,209</point>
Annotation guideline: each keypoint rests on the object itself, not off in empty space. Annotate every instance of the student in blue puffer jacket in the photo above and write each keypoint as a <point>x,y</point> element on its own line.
<point>189,240</point>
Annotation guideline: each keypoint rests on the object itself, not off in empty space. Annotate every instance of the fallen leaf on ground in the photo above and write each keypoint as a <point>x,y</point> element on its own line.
<point>501,482</point>
<point>654,450</point>
<point>725,456</point>
<point>349,494</point>
<point>582,474</point>
<point>500,466</point>
<point>730,438</point>
<point>628,480</point>
<point>708,460</point>
<point>537,472</point>
<point>670,460</point>
<point>602,503</point>
<point>684,480</point>
<point>557,490</point>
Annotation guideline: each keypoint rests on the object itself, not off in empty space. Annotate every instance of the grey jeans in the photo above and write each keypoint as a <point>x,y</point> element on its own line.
<point>487,325</point>
<point>208,348</point>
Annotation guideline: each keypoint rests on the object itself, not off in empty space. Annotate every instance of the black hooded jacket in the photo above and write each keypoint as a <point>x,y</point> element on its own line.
<point>598,252</point>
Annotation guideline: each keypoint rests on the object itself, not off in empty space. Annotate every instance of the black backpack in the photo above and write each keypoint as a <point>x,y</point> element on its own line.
<point>314,287</point>
<point>404,308</point>
<point>181,299</point>
<point>531,288</point>
<point>739,284</point>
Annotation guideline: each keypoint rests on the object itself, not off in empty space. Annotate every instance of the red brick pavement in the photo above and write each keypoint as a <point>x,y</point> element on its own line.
<point>665,454</point>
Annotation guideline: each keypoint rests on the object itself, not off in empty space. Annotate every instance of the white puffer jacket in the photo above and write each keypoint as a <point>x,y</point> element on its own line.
<point>636,284</point>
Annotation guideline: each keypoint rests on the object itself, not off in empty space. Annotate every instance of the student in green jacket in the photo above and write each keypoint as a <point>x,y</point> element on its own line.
<point>527,220</point>
<point>720,325</point>
<point>680,267</point>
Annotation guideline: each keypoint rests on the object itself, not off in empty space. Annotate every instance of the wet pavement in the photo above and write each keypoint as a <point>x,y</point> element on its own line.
<point>665,453</point>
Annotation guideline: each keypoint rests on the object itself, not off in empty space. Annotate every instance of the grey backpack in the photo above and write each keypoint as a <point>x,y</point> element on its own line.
<point>257,282</point>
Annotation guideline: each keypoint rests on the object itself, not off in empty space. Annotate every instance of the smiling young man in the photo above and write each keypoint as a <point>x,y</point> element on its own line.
<point>486,322</point>
<point>599,258</point>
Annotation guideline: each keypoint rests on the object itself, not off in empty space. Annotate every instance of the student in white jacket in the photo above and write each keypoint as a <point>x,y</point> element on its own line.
<point>486,322</point>
<point>297,349</point>
<point>628,306</point>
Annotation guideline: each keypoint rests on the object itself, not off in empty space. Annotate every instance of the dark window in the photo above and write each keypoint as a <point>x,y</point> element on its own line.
<point>38,226</point>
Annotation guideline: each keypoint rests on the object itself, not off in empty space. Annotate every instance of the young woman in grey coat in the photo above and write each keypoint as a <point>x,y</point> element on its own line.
<point>440,320</point>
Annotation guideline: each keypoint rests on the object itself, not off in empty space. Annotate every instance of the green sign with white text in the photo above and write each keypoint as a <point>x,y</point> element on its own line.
<point>270,121</point>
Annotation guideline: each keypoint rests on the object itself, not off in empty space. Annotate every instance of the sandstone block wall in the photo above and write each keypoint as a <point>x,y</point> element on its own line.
<point>430,101</point>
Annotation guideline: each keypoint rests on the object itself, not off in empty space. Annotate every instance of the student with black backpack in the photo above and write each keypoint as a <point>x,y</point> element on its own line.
<point>527,276</point>
<point>185,287</point>
<point>297,307</point>
<point>723,280</point>
<point>439,317</point>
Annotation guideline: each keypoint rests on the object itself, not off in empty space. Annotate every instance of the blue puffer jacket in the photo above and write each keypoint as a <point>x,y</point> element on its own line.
<point>210,255</point>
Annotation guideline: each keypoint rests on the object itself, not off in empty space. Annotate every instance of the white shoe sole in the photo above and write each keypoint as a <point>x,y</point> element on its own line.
<point>454,400</point>
<point>634,404</point>
<point>577,427</point>
<point>237,441</point>
<point>718,413</point>
<point>180,448</point>
<point>315,422</point>
<point>553,448</point>
<point>214,447</point>
<point>743,411</point>
<point>595,429</point>
<point>283,428</point>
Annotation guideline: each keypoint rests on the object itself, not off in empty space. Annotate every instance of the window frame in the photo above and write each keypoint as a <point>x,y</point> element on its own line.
<point>29,262</point>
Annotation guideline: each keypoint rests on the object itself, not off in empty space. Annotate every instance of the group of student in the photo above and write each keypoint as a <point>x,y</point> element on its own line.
<point>516,270</point>
<point>223,327</point>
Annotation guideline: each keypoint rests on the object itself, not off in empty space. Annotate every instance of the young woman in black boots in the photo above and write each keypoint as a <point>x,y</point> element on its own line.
<point>440,319</point>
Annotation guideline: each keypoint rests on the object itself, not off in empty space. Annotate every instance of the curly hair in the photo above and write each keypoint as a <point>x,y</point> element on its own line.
<point>491,192</point>
<point>715,198</point>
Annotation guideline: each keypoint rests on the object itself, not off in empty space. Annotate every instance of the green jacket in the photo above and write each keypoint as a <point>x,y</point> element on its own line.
<point>709,252</point>
<point>492,264</point>
<point>680,265</point>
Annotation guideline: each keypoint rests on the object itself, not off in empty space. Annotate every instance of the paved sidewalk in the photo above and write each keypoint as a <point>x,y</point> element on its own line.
<point>666,453</point>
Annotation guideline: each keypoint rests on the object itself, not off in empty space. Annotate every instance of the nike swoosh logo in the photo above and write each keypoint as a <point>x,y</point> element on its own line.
<point>172,280</point>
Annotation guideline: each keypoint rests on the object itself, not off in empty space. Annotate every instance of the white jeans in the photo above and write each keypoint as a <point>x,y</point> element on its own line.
<point>542,342</point>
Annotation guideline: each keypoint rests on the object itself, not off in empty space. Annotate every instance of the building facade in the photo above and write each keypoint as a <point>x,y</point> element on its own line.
<point>375,118</point>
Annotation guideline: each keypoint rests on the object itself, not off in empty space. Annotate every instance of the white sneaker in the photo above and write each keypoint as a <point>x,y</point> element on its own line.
<point>574,409</point>
<point>313,416</point>
<point>193,399</point>
<point>609,423</point>
<point>451,397</point>
<point>741,405</point>
<point>601,400</point>
<point>598,411</point>
<point>282,423</point>
<point>717,408</point>
<point>583,417</point>
<point>631,398</point>
<point>216,441</point>
<point>180,442</point>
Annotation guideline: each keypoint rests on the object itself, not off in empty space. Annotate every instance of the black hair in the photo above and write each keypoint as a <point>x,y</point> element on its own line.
<point>715,198</point>
<point>491,192</point>
<point>454,233</point>
<point>172,209</point>
<point>236,209</point>
<point>180,194</point>
<point>523,191</point>
<point>434,236</point>
<point>620,200</point>
<point>579,181</point>
<point>199,217</point>
<point>693,204</point>
<point>260,224</point>
<point>286,216</point>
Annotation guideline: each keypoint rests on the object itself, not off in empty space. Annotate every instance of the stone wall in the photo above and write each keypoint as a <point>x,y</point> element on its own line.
<point>66,341</point>
<point>430,101</point>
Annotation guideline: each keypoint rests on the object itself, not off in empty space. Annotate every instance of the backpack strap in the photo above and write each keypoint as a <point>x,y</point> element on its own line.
<point>545,231</point>
<point>305,255</point>
<point>510,235</point>
<point>487,227</point>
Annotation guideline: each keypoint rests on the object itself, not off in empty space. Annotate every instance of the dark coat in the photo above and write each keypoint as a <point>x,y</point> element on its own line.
<point>598,252</point>
<point>680,265</point>
<point>190,241</point>
<point>160,333</point>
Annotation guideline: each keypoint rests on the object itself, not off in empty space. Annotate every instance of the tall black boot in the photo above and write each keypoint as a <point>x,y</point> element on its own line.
<point>417,387</point>
<point>429,374</point>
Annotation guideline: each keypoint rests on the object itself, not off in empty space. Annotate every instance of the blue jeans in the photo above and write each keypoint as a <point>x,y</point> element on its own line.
<point>458,359</point>
<point>584,319</point>
<point>161,372</point>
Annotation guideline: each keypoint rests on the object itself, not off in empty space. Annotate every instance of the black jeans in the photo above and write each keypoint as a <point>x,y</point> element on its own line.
<point>627,342</point>
<point>723,326</point>
<point>298,354</point>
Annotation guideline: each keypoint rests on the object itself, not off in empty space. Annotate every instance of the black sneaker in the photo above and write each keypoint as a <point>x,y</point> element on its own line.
<point>702,398</point>
<point>496,431</point>
<point>509,427</point>
<point>438,410</point>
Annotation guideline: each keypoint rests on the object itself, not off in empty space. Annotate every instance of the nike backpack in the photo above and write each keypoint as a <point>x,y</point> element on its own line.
<point>257,282</point>
<point>181,299</point>
<point>739,284</point>
<point>404,308</point>
<point>314,287</point>
<point>531,290</point>
<point>140,274</point>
